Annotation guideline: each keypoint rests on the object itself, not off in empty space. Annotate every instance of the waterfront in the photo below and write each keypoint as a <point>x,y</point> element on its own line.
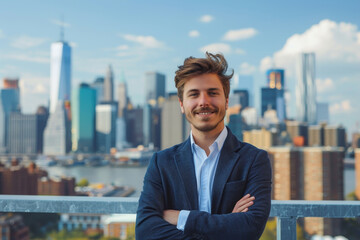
<point>133,176</point>
<point>120,176</point>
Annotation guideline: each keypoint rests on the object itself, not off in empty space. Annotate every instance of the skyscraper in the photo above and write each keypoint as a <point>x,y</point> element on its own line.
<point>60,73</point>
<point>83,119</point>
<point>57,134</point>
<point>122,95</point>
<point>98,85</point>
<point>109,85</point>
<point>239,97</point>
<point>272,96</point>
<point>106,114</point>
<point>171,116</point>
<point>306,89</point>
<point>9,102</point>
<point>155,86</point>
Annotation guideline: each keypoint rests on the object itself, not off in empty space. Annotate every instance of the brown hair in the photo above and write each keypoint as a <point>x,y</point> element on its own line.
<point>193,67</point>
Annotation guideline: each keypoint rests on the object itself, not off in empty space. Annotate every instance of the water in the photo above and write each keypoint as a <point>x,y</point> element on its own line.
<point>120,176</point>
<point>133,176</point>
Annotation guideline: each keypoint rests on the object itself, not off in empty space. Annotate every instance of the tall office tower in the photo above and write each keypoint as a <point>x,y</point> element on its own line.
<point>57,134</point>
<point>287,167</point>
<point>171,116</point>
<point>335,136</point>
<point>322,112</point>
<point>83,119</point>
<point>42,114</point>
<point>60,74</point>
<point>98,85</point>
<point>11,83</point>
<point>357,172</point>
<point>26,133</point>
<point>109,85</point>
<point>9,102</point>
<point>272,96</point>
<point>134,126</point>
<point>239,97</point>
<point>306,89</point>
<point>316,136</point>
<point>275,78</point>
<point>122,95</point>
<point>297,129</point>
<point>106,114</point>
<point>155,87</point>
<point>152,126</point>
<point>323,180</point>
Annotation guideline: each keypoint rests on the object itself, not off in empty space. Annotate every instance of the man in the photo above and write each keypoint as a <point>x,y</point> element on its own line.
<point>211,186</point>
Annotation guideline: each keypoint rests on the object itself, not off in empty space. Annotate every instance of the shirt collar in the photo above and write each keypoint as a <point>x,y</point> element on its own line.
<point>219,140</point>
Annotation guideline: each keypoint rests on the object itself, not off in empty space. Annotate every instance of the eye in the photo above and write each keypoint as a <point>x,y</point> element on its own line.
<point>213,93</point>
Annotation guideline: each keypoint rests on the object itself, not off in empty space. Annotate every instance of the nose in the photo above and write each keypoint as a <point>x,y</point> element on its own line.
<point>204,100</point>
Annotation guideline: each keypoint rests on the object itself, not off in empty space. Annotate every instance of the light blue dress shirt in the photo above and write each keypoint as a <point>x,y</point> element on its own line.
<point>205,168</point>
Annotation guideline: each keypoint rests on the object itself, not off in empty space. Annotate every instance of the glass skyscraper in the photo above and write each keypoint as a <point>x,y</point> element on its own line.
<point>106,114</point>
<point>306,89</point>
<point>60,73</point>
<point>155,86</point>
<point>83,104</point>
<point>9,102</point>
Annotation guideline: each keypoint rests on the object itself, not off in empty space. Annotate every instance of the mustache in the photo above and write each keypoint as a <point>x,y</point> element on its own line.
<point>205,109</point>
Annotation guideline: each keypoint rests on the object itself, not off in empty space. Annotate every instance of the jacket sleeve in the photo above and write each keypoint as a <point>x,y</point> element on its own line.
<point>149,221</point>
<point>248,225</point>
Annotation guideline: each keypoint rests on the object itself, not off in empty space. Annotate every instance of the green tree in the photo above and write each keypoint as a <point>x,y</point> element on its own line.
<point>83,183</point>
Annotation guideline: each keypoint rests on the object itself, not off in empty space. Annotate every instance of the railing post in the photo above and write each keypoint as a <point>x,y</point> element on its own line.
<point>286,228</point>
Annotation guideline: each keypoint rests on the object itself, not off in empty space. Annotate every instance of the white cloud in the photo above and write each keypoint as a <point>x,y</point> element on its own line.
<point>24,42</point>
<point>324,85</point>
<point>216,48</point>
<point>27,58</point>
<point>145,41</point>
<point>122,47</point>
<point>247,69</point>
<point>342,107</point>
<point>194,33</point>
<point>240,34</point>
<point>266,63</point>
<point>206,18</point>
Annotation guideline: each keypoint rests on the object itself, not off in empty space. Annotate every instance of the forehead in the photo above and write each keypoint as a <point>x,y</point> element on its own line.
<point>203,82</point>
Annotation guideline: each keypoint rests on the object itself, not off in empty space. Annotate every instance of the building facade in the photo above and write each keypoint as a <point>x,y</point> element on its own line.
<point>155,87</point>
<point>306,89</point>
<point>109,85</point>
<point>83,119</point>
<point>106,115</point>
<point>60,73</point>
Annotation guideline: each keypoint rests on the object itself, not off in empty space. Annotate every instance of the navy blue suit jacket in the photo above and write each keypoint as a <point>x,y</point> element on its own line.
<point>170,183</point>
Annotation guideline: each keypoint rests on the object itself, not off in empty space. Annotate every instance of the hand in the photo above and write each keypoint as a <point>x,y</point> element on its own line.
<point>243,204</point>
<point>171,216</point>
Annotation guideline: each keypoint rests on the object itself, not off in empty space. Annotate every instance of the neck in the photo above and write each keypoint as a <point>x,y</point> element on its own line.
<point>205,139</point>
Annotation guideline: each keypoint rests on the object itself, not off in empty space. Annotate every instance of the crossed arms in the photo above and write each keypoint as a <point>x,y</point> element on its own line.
<point>156,221</point>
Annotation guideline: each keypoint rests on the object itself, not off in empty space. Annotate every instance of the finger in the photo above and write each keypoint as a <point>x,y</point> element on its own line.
<point>243,201</point>
<point>243,207</point>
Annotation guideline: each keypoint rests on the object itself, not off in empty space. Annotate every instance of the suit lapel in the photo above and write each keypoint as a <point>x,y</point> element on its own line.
<point>227,160</point>
<point>185,165</point>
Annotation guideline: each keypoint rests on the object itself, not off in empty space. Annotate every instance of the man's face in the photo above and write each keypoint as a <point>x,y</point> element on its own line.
<point>204,103</point>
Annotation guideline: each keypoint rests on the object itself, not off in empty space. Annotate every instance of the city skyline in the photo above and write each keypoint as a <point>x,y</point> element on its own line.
<point>139,37</point>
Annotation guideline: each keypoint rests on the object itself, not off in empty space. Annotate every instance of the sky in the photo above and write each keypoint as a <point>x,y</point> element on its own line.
<point>140,36</point>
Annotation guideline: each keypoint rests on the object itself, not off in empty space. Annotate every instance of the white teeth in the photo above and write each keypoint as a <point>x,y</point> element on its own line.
<point>205,113</point>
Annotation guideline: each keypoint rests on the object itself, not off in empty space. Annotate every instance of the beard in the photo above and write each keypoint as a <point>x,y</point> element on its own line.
<point>201,125</point>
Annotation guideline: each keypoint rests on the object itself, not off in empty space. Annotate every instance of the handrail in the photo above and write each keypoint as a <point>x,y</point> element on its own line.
<point>286,211</point>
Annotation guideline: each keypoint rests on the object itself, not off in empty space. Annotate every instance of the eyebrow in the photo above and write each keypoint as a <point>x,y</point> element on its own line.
<point>209,89</point>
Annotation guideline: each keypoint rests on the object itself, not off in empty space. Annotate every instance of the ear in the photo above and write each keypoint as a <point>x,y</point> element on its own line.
<point>227,104</point>
<point>181,106</point>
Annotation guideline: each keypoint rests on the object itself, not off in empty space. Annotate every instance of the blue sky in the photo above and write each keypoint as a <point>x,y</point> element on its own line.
<point>139,36</point>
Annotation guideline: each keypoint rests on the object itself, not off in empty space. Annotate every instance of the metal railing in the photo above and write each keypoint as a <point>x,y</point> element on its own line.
<point>286,212</point>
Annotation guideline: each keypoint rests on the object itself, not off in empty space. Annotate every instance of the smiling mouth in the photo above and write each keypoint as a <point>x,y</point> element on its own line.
<point>205,112</point>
